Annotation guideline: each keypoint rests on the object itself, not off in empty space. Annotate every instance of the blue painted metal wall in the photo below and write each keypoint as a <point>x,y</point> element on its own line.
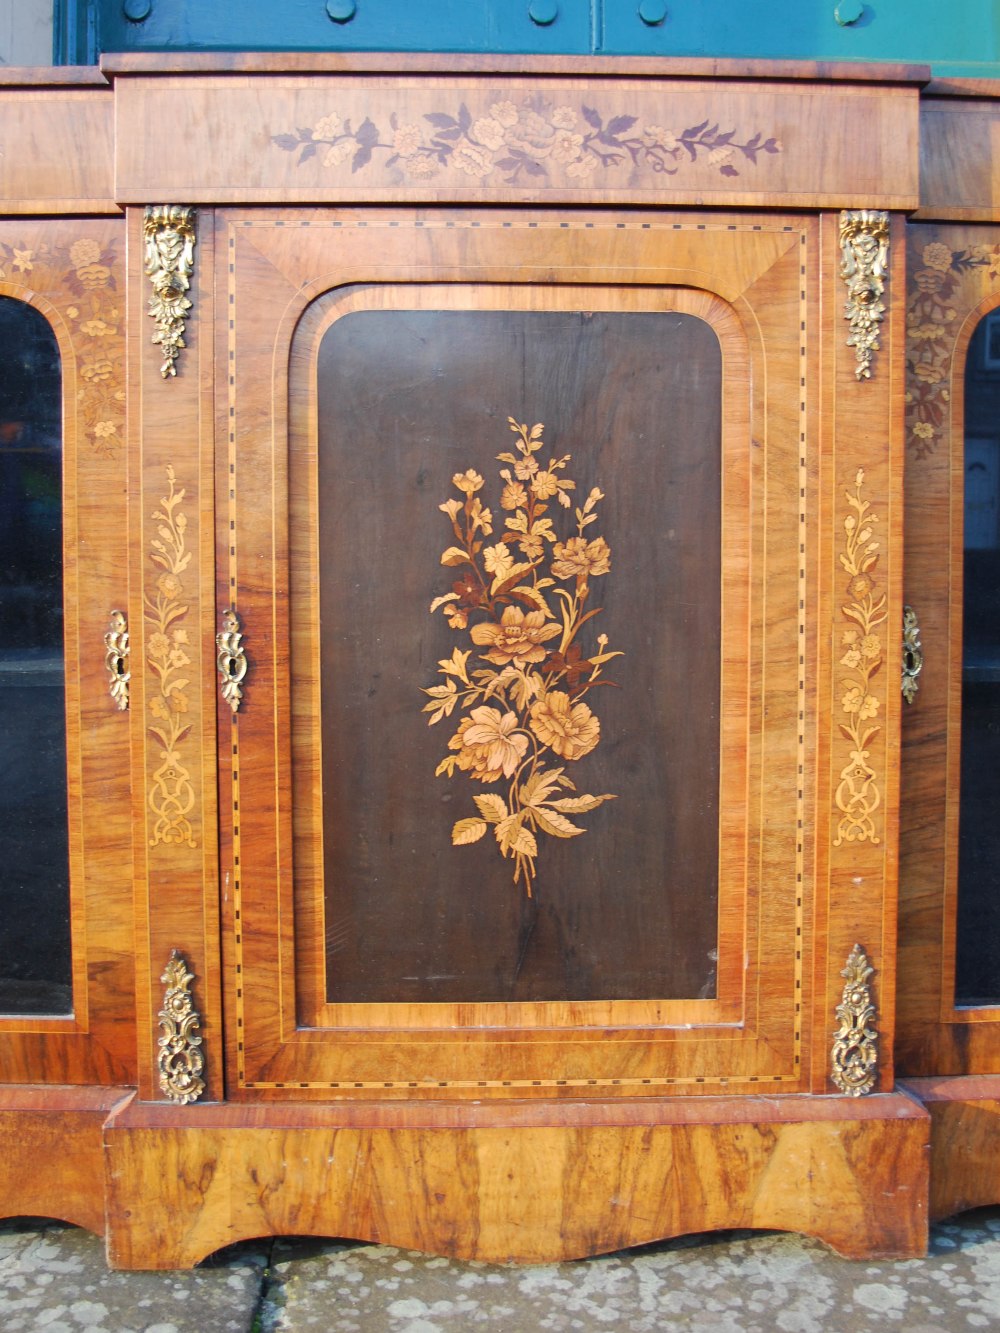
<point>957,37</point>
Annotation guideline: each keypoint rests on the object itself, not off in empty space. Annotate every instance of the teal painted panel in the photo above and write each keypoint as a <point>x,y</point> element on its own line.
<point>376,25</point>
<point>959,33</point>
<point>961,37</point>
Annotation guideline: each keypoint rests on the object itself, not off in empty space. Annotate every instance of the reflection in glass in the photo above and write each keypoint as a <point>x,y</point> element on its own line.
<point>34,868</point>
<point>977,970</point>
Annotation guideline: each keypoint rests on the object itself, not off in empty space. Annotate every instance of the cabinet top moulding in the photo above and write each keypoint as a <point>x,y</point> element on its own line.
<point>48,76</point>
<point>512,130</point>
<point>601,67</point>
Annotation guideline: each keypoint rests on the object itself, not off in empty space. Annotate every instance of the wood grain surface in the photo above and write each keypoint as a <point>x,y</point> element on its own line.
<point>965,1167</point>
<point>959,146</point>
<point>58,148</point>
<point>52,1154</point>
<point>513,1184</point>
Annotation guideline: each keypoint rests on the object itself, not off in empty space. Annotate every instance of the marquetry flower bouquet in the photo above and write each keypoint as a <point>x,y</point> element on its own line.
<point>522,596</point>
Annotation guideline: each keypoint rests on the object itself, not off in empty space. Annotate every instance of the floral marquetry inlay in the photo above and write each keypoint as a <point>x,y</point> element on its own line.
<point>937,277</point>
<point>529,140</point>
<point>80,280</point>
<point>521,593</point>
<point>171,794</point>
<point>862,654</point>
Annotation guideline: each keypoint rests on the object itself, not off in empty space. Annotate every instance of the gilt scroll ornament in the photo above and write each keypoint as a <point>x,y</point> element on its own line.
<point>864,243</point>
<point>855,1055</point>
<point>181,1061</point>
<point>169,231</point>
<point>232,659</point>
<point>116,651</point>
<point>913,657</point>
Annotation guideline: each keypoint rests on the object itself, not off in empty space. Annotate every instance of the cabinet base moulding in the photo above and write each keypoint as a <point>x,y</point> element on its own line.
<point>522,1183</point>
<point>965,1140</point>
<point>52,1152</point>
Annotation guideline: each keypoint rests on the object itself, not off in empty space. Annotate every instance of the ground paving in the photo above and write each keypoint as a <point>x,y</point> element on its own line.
<point>53,1279</point>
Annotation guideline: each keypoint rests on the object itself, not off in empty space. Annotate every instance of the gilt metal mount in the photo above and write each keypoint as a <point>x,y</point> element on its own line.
<point>864,244</point>
<point>855,1054</point>
<point>232,659</point>
<point>169,231</point>
<point>181,1060</point>
<point>116,651</point>
<point>913,657</point>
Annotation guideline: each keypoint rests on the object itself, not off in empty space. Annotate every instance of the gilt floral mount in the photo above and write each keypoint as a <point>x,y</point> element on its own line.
<point>523,600</point>
<point>529,141</point>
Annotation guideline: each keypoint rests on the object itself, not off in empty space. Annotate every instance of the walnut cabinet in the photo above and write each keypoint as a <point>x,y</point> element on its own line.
<point>497,468</point>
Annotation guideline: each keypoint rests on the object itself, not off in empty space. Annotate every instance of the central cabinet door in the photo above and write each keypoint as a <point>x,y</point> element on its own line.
<point>511,513</point>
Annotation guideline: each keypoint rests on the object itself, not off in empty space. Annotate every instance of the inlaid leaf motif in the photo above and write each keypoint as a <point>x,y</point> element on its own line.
<point>468,830</point>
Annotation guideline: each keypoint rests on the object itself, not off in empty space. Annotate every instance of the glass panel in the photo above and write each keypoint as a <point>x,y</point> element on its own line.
<point>34,857</point>
<point>627,908</point>
<point>977,974</point>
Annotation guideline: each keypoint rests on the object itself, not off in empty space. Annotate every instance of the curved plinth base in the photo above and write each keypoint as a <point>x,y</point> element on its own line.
<point>52,1152</point>
<point>965,1140</point>
<point>524,1183</point>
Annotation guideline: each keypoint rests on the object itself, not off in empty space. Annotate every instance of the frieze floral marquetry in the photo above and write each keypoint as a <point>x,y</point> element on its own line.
<point>862,655</point>
<point>171,795</point>
<point>523,598</point>
<point>938,275</point>
<point>526,141</point>
<point>81,281</point>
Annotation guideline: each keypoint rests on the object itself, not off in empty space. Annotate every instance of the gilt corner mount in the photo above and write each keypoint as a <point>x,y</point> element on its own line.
<point>864,244</point>
<point>181,1062</point>
<point>169,233</point>
<point>855,1047</point>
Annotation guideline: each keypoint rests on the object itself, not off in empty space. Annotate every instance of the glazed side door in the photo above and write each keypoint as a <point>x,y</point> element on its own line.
<point>66,979</point>
<point>949,963</point>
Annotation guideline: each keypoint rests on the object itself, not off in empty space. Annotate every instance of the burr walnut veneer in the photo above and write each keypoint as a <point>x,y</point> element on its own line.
<point>531,434</point>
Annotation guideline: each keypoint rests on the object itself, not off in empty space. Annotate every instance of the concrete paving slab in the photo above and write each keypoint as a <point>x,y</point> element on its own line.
<point>54,1279</point>
<point>740,1282</point>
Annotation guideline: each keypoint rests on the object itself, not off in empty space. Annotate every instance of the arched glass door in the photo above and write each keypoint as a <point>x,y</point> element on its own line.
<point>34,869</point>
<point>977,954</point>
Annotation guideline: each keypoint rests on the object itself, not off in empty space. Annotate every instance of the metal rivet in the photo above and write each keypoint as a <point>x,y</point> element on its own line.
<point>652,12</point>
<point>848,12</point>
<point>341,11</point>
<point>137,10</point>
<point>543,12</point>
